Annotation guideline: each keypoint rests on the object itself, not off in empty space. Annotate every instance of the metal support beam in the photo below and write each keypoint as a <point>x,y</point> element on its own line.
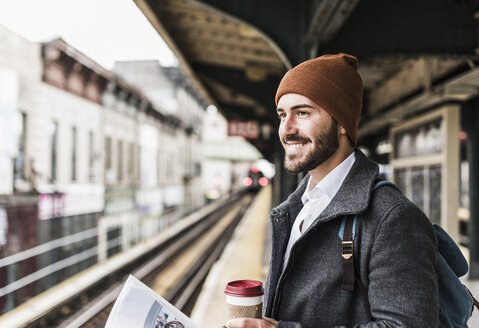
<point>328,17</point>
<point>280,20</point>
<point>471,122</point>
<point>236,79</point>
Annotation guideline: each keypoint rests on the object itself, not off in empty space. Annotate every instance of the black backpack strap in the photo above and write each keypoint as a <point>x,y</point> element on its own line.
<point>346,233</point>
<point>347,253</point>
<point>475,302</point>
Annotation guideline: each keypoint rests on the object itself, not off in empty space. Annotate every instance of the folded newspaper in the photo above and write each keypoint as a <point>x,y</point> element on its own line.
<point>139,306</point>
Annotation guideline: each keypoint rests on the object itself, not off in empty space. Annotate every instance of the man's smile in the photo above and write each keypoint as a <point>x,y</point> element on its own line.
<point>295,145</point>
<point>294,142</point>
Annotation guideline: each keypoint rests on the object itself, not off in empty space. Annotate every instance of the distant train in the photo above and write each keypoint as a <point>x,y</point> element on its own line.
<point>255,179</point>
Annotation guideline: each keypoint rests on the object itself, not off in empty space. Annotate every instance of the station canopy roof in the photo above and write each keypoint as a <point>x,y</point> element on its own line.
<point>237,51</point>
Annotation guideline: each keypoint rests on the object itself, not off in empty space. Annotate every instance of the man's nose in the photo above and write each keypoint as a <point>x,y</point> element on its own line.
<point>289,126</point>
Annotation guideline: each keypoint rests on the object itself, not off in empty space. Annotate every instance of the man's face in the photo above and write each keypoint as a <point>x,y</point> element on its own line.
<point>308,133</point>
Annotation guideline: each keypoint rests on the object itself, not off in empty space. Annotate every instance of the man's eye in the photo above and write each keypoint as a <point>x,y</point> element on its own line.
<point>302,113</point>
<point>281,116</point>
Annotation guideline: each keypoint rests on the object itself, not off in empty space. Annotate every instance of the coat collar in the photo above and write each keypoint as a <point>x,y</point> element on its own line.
<point>352,197</point>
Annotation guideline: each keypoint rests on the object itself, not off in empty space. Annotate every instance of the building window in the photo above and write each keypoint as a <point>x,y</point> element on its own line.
<point>91,156</point>
<point>108,153</point>
<point>197,169</point>
<point>131,162</point>
<point>19,167</point>
<point>120,160</point>
<point>169,167</point>
<point>53,140</point>
<point>159,168</point>
<point>137,164</point>
<point>74,153</point>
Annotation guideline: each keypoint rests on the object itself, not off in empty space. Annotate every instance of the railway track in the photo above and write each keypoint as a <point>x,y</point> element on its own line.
<point>176,270</point>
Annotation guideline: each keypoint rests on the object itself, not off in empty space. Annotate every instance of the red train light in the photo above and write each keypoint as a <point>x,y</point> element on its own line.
<point>263,181</point>
<point>247,181</point>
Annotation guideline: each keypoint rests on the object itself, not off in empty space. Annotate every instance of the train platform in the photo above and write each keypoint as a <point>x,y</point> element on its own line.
<point>245,257</point>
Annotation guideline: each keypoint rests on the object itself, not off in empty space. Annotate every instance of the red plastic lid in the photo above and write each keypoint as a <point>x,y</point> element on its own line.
<point>244,288</point>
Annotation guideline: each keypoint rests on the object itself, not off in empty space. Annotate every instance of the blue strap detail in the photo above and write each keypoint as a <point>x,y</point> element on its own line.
<point>343,223</point>
<point>382,183</point>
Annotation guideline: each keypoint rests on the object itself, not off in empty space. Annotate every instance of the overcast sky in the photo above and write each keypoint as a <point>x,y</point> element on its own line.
<point>104,30</point>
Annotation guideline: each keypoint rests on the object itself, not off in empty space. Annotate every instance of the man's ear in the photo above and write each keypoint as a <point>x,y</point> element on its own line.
<point>342,130</point>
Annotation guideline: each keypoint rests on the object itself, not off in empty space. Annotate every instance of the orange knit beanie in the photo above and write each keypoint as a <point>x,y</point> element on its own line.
<point>332,82</point>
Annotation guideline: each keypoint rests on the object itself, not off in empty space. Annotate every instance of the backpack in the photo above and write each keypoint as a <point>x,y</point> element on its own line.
<point>455,300</point>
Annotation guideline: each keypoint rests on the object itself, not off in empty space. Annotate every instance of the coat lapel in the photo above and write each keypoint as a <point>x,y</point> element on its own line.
<point>354,195</point>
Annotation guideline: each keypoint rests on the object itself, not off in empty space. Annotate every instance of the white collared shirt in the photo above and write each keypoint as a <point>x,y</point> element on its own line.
<point>316,200</point>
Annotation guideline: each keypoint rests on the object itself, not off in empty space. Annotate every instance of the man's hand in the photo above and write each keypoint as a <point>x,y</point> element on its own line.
<point>251,323</point>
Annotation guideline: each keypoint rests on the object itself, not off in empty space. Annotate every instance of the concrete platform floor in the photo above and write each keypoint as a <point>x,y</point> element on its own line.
<point>242,259</point>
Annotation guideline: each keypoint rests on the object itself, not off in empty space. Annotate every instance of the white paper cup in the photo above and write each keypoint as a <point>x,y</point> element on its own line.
<point>244,299</point>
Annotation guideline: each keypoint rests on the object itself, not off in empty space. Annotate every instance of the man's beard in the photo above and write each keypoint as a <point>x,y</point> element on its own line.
<point>326,145</point>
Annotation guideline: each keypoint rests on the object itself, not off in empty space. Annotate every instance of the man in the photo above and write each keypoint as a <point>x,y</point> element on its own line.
<point>319,107</point>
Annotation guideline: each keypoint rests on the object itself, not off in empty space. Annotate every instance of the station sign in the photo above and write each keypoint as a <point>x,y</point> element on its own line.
<point>245,129</point>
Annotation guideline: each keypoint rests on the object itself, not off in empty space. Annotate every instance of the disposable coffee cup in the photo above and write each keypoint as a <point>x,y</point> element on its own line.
<point>244,298</point>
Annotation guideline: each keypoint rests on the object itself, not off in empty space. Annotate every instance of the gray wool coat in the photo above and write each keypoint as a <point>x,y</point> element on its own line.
<point>395,254</point>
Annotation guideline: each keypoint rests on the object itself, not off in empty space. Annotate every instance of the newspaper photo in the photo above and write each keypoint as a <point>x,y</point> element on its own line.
<point>139,306</point>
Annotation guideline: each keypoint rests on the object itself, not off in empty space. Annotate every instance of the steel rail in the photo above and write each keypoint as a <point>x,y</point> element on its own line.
<point>53,306</point>
<point>95,312</point>
<point>184,293</point>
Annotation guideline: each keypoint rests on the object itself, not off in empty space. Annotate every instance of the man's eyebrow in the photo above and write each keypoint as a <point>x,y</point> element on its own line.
<point>296,107</point>
<point>302,106</point>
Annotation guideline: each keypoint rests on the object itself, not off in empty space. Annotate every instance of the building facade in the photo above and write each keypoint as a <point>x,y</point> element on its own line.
<point>90,164</point>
